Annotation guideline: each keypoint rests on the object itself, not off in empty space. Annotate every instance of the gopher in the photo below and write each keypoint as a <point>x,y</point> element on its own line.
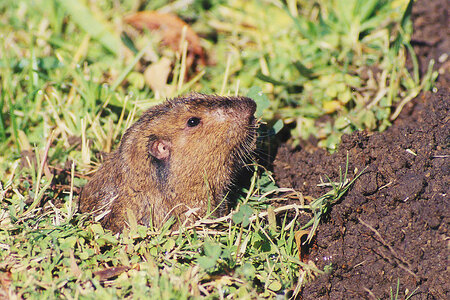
<point>180,155</point>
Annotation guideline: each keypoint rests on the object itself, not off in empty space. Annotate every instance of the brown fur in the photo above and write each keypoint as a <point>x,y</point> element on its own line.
<point>162,162</point>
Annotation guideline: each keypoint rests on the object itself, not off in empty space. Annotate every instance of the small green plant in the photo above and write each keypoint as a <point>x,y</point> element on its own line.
<point>321,206</point>
<point>397,290</point>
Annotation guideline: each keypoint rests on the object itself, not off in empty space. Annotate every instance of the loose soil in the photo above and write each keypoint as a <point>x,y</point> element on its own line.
<point>431,37</point>
<point>392,225</point>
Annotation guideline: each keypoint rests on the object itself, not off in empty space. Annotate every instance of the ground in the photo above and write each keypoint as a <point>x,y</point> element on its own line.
<point>392,225</point>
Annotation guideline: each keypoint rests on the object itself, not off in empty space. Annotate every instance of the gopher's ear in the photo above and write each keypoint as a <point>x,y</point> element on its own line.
<point>160,149</point>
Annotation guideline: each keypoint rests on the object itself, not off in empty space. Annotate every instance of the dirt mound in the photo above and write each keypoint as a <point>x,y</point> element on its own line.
<point>392,226</point>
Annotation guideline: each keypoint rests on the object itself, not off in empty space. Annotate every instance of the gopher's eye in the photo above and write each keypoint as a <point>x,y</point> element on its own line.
<point>192,122</point>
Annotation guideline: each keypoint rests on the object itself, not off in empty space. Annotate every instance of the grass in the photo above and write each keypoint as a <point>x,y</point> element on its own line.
<point>71,83</point>
<point>407,294</point>
<point>52,251</point>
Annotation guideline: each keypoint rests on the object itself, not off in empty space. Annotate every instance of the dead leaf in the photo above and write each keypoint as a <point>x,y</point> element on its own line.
<point>76,271</point>
<point>271,218</point>
<point>5,283</point>
<point>156,76</point>
<point>308,199</point>
<point>171,28</point>
<point>109,273</point>
<point>303,250</point>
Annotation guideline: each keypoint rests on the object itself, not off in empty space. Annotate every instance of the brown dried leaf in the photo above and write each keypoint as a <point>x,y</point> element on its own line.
<point>76,271</point>
<point>171,28</point>
<point>5,283</point>
<point>302,249</point>
<point>109,273</point>
<point>156,76</point>
<point>271,218</point>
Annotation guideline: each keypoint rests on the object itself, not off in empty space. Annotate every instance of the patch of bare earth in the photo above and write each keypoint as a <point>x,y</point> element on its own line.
<point>393,223</point>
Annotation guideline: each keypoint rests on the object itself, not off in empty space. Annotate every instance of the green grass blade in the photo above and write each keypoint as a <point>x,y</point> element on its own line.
<point>83,17</point>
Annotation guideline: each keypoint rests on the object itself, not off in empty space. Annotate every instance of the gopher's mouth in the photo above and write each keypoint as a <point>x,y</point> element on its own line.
<point>252,120</point>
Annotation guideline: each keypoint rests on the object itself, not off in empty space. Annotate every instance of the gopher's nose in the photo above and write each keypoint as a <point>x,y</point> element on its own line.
<point>249,104</point>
